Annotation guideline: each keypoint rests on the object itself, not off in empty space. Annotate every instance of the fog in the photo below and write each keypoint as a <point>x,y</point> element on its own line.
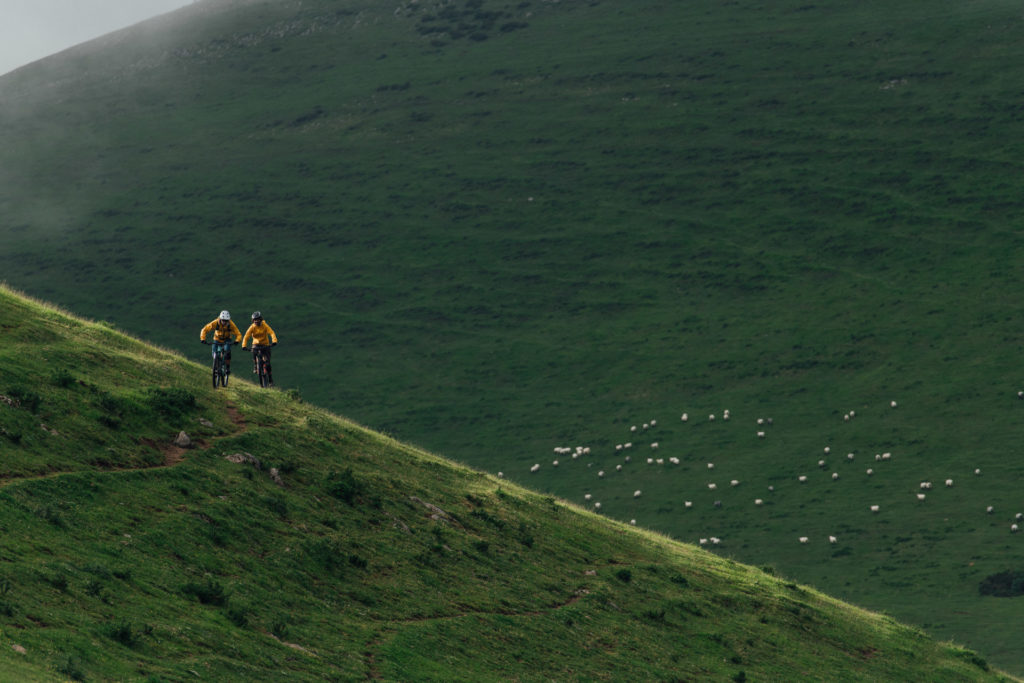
<point>33,29</point>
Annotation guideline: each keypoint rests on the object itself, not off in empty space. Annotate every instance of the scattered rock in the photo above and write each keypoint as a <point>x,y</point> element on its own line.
<point>275,474</point>
<point>183,440</point>
<point>206,423</point>
<point>439,514</point>
<point>244,458</point>
<point>18,648</point>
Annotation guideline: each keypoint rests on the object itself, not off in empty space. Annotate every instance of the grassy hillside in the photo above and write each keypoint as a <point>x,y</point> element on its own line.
<point>126,559</point>
<point>495,229</point>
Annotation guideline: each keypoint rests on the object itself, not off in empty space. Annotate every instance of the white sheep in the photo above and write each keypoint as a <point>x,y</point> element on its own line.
<point>828,449</point>
<point>886,456</point>
<point>633,428</point>
<point>977,471</point>
<point>711,417</point>
<point>650,461</point>
<point>628,444</point>
<point>758,501</point>
<point>654,422</point>
<point>660,461</point>
<point>535,467</point>
<point>688,504</point>
<point>920,496</point>
<point>802,478</point>
<point>674,460</point>
<point>636,494</point>
<point>618,446</point>
<point>949,482</point>
<point>586,496</point>
<point>870,471</point>
<point>684,417</point>
<point>1013,528</point>
<point>501,475</point>
<point>632,522</point>
<point>711,465</point>
<point>618,468</point>
<point>703,541</point>
<point>832,539</point>
<point>874,508</point>
<point>926,485</point>
<point>712,486</point>
<point>646,426</point>
<point>804,539</point>
<point>554,463</point>
<point>892,404</point>
<point>654,445</point>
<point>597,506</point>
<point>835,476</point>
<point>760,435</point>
<point>821,463</point>
<point>1020,515</point>
<point>601,473</point>
<point>849,456</point>
<point>734,482</point>
<point>989,509</point>
<point>760,420</point>
<point>715,540</point>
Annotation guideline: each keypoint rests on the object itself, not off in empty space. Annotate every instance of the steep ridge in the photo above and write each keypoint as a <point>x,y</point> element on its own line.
<point>305,546</point>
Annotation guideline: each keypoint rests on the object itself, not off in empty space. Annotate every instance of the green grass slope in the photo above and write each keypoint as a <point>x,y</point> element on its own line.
<point>494,229</point>
<point>344,554</point>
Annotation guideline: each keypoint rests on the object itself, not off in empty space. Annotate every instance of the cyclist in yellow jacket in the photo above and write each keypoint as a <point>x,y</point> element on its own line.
<point>223,330</point>
<point>263,337</point>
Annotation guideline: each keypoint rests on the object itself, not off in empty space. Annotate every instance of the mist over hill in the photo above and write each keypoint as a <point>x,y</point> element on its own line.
<point>493,229</point>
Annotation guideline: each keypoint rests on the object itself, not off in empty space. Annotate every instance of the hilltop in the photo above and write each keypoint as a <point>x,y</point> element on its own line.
<point>493,229</point>
<point>290,541</point>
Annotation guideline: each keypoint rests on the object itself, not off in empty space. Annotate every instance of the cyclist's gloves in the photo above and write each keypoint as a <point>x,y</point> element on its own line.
<point>203,341</point>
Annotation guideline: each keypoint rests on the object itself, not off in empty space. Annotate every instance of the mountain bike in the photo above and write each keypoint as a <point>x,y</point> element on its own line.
<point>220,363</point>
<point>259,353</point>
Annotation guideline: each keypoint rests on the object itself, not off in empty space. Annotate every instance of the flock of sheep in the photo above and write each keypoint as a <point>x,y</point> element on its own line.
<point>626,449</point>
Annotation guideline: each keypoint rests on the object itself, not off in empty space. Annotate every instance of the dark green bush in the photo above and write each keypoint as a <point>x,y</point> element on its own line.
<point>172,402</point>
<point>343,485</point>
<point>1006,584</point>
<point>26,398</point>
<point>209,593</point>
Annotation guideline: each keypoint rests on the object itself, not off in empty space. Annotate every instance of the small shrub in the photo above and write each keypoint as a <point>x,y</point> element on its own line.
<point>123,633</point>
<point>72,668</point>
<point>63,379</point>
<point>239,616</point>
<point>344,486</point>
<point>209,593</point>
<point>1007,584</point>
<point>279,627</point>
<point>482,546</point>
<point>357,562</point>
<point>26,398</point>
<point>679,579</point>
<point>171,402</point>
<point>624,575</point>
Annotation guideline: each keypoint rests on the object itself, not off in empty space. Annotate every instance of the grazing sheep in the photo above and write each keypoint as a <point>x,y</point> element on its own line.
<point>949,482</point>
<point>535,467</point>
<point>821,463</point>
<point>977,471</point>
<point>1020,515</point>
<point>646,426</point>
<point>846,417</point>
<point>804,539</point>
<point>703,541</point>
<point>716,540</point>
<point>618,447</point>
<point>632,522</point>
<point>760,435</point>
<point>835,476</point>
<point>758,501</point>
<point>601,473</point>
<point>654,445</point>
<point>760,420</point>
<point>618,468</point>
<point>597,506</point>
<point>654,422</point>
<point>828,449</point>
<point>674,461</point>
<point>849,456</point>
<point>711,465</point>
<point>718,503</point>
<point>886,456</point>
<point>734,482</point>
<point>874,508</point>
<point>633,428</point>
<point>575,456</point>
<point>501,475</point>
<point>870,471</point>
<point>802,478</point>
<point>989,509</point>
<point>832,539</point>
<point>660,461</point>
<point>878,457</point>
<point>926,485</point>
<point>892,404</point>
<point>628,459</point>
<point>684,417</point>
<point>712,486</point>
<point>628,444</point>
<point>711,417</point>
<point>650,461</point>
<point>688,504</point>
<point>586,496</point>
<point>771,488</point>
<point>636,494</point>
<point>1013,528</point>
<point>920,496</point>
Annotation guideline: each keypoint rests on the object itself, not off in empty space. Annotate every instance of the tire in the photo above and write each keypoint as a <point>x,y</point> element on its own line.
<point>216,371</point>
<point>261,369</point>
<point>224,378</point>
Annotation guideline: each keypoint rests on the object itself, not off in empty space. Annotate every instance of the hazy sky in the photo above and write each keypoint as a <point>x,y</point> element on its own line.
<point>33,29</point>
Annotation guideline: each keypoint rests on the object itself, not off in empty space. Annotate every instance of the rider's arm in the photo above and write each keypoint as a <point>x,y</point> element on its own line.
<point>273,337</point>
<point>245,339</point>
<point>206,330</point>
<point>234,330</point>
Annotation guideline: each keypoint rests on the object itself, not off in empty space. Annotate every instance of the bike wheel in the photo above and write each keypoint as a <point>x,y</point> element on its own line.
<point>216,371</point>
<point>261,369</point>
<point>223,377</point>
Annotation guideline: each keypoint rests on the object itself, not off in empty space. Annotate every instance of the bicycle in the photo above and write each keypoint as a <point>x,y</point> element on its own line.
<point>262,365</point>
<point>220,364</point>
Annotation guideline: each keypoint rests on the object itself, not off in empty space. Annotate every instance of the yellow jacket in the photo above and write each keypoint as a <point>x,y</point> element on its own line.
<point>261,334</point>
<point>221,333</point>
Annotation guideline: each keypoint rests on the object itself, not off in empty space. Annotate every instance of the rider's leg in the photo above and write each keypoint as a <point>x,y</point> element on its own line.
<point>266,362</point>
<point>227,359</point>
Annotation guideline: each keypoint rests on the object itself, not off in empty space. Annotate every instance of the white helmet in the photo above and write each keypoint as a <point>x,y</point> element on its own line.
<point>224,315</point>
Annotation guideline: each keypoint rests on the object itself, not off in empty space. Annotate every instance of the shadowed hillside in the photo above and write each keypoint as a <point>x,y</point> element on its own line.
<point>493,229</point>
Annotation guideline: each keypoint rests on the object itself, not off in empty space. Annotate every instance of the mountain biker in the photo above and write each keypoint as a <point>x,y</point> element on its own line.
<point>223,330</point>
<point>263,337</point>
